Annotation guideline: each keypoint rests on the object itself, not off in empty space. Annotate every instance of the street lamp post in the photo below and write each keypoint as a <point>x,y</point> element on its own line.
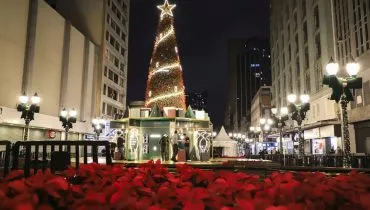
<point>214,134</point>
<point>98,125</point>
<point>68,118</point>
<point>341,87</point>
<point>298,112</point>
<point>280,119</point>
<point>28,111</point>
<point>265,126</point>
<point>255,133</point>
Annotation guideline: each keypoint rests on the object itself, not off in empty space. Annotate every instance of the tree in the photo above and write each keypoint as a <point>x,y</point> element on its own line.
<point>165,85</point>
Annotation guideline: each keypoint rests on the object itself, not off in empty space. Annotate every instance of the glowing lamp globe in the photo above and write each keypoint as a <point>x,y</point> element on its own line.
<point>292,98</point>
<point>35,99</point>
<point>95,121</point>
<point>214,134</point>
<point>252,128</point>
<point>284,110</point>
<point>274,111</point>
<point>64,113</point>
<point>353,68</point>
<point>332,68</point>
<point>73,113</point>
<point>262,121</point>
<point>305,98</point>
<point>23,99</point>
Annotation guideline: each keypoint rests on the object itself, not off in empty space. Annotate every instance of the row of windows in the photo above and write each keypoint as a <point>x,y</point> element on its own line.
<point>114,43</point>
<point>110,74</point>
<point>110,110</point>
<point>116,11</point>
<point>112,93</point>
<point>115,61</point>
<point>114,25</point>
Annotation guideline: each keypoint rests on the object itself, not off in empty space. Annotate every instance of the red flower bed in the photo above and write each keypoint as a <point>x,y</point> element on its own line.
<point>152,187</point>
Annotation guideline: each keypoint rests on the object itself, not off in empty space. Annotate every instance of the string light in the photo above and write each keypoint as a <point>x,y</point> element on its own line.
<point>162,97</point>
<point>165,69</point>
<point>163,37</point>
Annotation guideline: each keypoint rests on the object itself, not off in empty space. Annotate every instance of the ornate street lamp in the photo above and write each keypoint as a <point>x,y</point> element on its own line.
<point>341,87</point>
<point>266,125</point>
<point>214,134</point>
<point>28,110</point>
<point>298,113</point>
<point>68,118</point>
<point>255,131</point>
<point>280,118</point>
<point>98,125</point>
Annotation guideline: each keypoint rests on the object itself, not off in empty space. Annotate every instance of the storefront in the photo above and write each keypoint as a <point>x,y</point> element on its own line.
<point>322,140</point>
<point>362,133</point>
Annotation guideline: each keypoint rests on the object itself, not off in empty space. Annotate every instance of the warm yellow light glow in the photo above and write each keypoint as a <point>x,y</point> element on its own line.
<point>165,69</point>
<point>163,97</point>
<point>163,37</point>
<point>166,8</point>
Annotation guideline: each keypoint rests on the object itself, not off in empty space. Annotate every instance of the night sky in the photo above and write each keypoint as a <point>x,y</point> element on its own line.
<point>203,28</point>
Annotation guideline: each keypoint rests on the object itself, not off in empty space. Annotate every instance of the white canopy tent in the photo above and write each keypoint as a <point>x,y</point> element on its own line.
<point>229,146</point>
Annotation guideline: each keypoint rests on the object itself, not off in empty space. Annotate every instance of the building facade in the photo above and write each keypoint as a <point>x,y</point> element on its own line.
<point>302,44</point>
<point>352,38</point>
<point>42,52</point>
<point>261,105</point>
<point>249,69</point>
<point>107,22</point>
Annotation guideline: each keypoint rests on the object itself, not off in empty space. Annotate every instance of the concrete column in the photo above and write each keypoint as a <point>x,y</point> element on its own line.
<point>30,46</point>
<point>84,78</point>
<point>65,64</point>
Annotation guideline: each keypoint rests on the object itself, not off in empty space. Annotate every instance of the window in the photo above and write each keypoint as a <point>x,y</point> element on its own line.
<point>104,89</point>
<point>116,62</point>
<point>123,36</point>
<point>305,33</point>
<point>316,17</point>
<point>122,67</point>
<point>296,43</point>
<point>111,75</point>
<point>121,82</point>
<point>318,46</point>
<point>306,58</point>
<point>112,93</point>
<point>115,79</point>
<point>103,108</point>
<point>123,51</point>
<point>107,36</point>
<point>105,70</point>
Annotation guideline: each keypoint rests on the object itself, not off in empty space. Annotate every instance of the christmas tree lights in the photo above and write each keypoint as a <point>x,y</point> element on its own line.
<point>165,85</point>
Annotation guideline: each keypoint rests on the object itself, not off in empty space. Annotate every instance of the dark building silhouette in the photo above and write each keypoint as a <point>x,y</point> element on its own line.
<point>249,69</point>
<point>197,100</point>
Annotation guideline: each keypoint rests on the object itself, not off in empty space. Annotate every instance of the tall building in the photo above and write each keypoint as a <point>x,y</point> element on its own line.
<point>352,40</point>
<point>249,69</point>
<point>197,100</point>
<point>42,52</point>
<point>301,46</point>
<point>107,23</point>
<point>261,105</point>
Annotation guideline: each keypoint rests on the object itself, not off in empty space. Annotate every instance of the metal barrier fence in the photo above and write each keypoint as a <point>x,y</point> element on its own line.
<point>5,157</point>
<point>357,161</point>
<point>23,150</point>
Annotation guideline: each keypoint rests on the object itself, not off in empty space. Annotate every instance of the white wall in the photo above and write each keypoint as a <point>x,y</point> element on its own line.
<point>13,30</point>
<point>48,58</point>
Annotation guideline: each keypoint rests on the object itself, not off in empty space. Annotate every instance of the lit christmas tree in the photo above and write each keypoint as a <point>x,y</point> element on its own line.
<point>165,85</point>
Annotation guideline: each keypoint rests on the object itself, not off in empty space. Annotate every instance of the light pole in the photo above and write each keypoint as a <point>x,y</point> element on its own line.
<point>214,134</point>
<point>280,119</point>
<point>298,112</point>
<point>28,111</point>
<point>265,126</point>
<point>68,118</point>
<point>255,133</point>
<point>341,87</point>
<point>98,125</point>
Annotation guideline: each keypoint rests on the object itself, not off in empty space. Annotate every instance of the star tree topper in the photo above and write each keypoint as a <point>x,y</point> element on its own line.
<point>166,8</point>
